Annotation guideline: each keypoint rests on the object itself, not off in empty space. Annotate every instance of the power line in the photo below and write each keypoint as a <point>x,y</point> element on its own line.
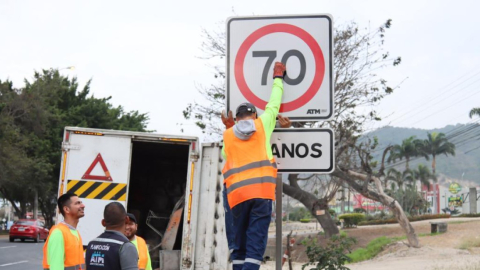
<point>431,99</point>
<point>471,150</point>
<point>445,108</point>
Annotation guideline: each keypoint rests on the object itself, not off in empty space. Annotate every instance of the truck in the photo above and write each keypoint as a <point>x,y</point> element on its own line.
<point>172,184</point>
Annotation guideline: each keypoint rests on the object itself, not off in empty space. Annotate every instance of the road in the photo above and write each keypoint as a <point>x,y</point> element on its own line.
<point>20,255</point>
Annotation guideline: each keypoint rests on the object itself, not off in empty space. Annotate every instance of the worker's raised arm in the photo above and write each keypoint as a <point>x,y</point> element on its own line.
<point>271,110</point>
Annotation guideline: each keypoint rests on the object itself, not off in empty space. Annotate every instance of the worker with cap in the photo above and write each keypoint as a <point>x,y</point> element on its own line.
<point>250,176</point>
<point>144,262</point>
<point>112,250</point>
<point>228,121</point>
<point>63,248</point>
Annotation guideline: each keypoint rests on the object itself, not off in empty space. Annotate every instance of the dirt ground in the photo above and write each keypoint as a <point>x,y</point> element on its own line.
<point>437,252</point>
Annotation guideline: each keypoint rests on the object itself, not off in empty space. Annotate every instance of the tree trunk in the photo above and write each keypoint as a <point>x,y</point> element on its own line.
<point>318,207</point>
<point>394,206</point>
<point>23,210</point>
<point>46,212</point>
<point>433,164</point>
<point>17,210</point>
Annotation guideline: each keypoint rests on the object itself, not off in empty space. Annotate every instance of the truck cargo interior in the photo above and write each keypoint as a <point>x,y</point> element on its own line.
<point>158,178</point>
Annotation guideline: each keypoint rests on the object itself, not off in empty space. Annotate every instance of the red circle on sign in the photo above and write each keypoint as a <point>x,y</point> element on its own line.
<point>280,28</point>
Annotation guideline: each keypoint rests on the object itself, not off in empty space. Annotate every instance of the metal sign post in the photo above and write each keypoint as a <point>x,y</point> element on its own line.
<point>278,223</point>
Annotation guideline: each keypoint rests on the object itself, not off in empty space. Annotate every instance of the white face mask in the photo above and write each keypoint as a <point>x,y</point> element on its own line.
<point>244,129</point>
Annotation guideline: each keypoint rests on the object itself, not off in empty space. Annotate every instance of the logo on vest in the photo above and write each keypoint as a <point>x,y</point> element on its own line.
<point>97,259</point>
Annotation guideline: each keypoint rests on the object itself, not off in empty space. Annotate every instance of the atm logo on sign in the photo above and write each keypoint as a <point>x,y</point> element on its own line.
<point>98,190</point>
<point>316,111</point>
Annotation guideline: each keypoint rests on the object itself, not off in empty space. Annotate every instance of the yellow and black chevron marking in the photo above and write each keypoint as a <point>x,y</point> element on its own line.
<point>98,190</point>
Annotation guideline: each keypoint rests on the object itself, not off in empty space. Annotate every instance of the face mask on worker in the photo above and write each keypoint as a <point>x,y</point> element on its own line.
<point>244,129</point>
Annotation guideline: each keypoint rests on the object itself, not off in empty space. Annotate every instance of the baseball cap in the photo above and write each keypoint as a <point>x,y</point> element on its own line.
<point>245,107</point>
<point>132,217</point>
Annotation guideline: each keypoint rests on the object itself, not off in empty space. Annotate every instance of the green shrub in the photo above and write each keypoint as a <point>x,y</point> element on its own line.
<point>351,220</point>
<point>333,256</point>
<point>393,220</point>
<point>359,210</point>
<point>332,212</point>
<point>370,251</point>
<point>305,220</point>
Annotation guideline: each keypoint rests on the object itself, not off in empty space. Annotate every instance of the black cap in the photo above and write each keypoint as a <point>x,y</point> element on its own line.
<point>245,107</point>
<point>132,217</point>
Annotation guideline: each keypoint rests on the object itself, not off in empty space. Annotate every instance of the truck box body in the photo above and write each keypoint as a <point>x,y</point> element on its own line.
<point>149,173</point>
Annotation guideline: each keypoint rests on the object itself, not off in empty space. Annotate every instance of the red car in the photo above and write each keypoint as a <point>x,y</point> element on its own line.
<point>28,229</point>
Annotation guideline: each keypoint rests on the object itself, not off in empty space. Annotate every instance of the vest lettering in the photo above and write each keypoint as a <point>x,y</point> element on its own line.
<point>100,247</point>
<point>97,259</point>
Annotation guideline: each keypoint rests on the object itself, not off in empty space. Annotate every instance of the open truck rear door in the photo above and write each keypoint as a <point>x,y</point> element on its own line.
<point>148,173</point>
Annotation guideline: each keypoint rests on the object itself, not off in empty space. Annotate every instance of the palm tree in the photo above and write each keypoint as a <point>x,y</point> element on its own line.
<point>401,179</point>
<point>474,111</point>
<point>409,148</point>
<point>423,174</point>
<point>437,144</point>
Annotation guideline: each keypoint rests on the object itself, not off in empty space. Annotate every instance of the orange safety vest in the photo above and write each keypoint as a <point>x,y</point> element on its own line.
<point>74,259</point>
<point>248,173</point>
<point>142,253</point>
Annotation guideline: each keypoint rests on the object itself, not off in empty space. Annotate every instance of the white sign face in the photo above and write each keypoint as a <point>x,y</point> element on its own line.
<point>303,150</point>
<point>303,43</point>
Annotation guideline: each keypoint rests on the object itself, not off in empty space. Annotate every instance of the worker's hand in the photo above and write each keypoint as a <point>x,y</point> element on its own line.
<point>279,70</point>
<point>228,121</point>
<point>284,121</point>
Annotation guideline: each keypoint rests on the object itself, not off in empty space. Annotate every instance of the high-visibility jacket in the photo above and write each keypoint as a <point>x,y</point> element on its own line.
<point>248,172</point>
<point>74,259</point>
<point>142,253</point>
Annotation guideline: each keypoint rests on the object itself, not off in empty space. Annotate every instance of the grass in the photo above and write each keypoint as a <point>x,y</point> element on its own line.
<point>371,250</point>
<point>403,237</point>
<point>376,246</point>
<point>457,222</point>
<point>470,243</point>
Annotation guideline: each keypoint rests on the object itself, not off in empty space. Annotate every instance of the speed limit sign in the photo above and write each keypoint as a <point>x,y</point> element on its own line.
<point>303,43</point>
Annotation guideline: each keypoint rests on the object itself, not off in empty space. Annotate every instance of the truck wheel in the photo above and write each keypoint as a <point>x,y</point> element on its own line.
<point>12,239</point>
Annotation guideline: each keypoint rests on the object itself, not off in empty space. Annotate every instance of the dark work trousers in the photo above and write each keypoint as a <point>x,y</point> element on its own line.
<point>228,222</point>
<point>251,220</point>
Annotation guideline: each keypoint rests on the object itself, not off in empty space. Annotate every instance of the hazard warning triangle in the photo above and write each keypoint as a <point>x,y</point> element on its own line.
<point>88,173</point>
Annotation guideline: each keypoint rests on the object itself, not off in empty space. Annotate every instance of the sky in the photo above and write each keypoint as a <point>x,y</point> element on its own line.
<point>147,54</point>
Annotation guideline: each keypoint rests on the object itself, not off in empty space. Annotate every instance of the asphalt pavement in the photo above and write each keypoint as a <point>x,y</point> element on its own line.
<point>20,255</point>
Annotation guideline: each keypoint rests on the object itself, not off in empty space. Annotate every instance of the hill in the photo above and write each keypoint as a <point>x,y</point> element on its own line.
<point>466,138</point>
